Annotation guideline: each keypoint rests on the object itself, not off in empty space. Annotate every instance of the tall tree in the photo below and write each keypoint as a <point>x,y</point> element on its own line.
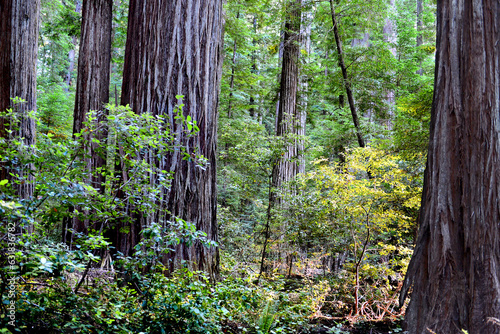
<point>454,271</point>
<point>288,116</point>
<point>19,26</point>
<point>306,45</point>
<point>347,83</point>
<point>72,53</point>
<point>420,71</point>
<point>175,48</point>
<point>390,38</point>
<point>92,86</point>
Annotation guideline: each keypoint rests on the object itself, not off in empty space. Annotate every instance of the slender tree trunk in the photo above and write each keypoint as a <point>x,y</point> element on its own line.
<point>419,31</point>
<point>251,111</point>
<point>174,47</point>
<point>361,42</point>
<point>72,53</point>
<point>390,37</point>
<point>116,66</point>
<point>306,28</point>
<point>347,83</point>
<point>19,23</point>
<point>71,67</point>
<point>231,81</point>
<point>455,269</point>
<point>267,228</point>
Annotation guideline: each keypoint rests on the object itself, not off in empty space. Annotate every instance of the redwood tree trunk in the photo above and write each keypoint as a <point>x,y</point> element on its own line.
<point>94,59</point>
<point>174,47</point>
<point>92,86</point>
<point>19,25</point>
<point>455,269</point>
<point>288,118</point>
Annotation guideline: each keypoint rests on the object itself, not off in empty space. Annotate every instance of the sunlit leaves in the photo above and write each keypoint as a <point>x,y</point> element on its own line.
<point>372,190</point>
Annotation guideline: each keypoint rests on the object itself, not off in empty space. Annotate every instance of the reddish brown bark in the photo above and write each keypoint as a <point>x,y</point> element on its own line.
<point>288,118</point>
<point>174,47</point>
<point>19,23</point>
<point>455,269</point>
<point>5,75</point>
<point>92,87</point>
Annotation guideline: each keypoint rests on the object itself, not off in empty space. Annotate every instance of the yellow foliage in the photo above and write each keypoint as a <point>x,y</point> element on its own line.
<point>371,199</point>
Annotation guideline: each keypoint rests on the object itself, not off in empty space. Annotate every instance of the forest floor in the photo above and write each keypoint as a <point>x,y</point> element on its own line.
<point>368,327</point>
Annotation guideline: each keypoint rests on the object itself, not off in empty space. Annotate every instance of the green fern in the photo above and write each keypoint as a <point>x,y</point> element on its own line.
<point>266,319</point>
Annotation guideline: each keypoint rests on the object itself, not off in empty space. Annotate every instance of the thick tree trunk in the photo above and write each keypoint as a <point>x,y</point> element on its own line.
<point>5,65</point>
<point>455,270</point>
<point>92,86</point>
<point>19,22</point>
<point>174,47</point>
<point>347,83</point>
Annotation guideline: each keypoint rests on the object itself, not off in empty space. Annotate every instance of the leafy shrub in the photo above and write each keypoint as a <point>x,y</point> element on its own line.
<point>54,291</point>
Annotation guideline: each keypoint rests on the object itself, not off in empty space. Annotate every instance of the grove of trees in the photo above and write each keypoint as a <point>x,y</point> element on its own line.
<point>249,166</point>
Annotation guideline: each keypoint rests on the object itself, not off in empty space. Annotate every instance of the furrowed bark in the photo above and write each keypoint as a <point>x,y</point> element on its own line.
<point>19,22</point>
<point>288,120</point>
<point>455,269</point>
<point>174,47</point>
<point>92,87</point>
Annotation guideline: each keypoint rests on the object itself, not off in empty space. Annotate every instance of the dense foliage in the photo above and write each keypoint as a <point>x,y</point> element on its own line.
<point>338,244</point>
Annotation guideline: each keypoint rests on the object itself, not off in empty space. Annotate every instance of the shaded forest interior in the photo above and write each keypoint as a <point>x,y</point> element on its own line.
<point>246,166</point>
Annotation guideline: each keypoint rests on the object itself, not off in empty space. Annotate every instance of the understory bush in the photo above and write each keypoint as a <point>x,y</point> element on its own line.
<point>185,302</point>
<point>82,284</point>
